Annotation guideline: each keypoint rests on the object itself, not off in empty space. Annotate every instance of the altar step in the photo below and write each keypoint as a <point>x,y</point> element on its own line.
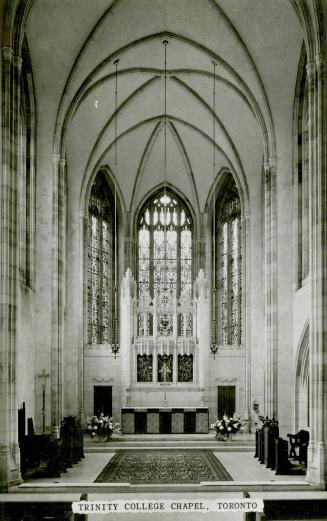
<point>119,488</point>
<point>153,441</point>
<point>242,443</point>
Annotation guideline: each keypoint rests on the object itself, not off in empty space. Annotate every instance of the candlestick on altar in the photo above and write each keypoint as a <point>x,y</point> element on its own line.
<point>43,375</point>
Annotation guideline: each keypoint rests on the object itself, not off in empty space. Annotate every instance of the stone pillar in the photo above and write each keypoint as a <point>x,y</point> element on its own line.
<point>317,453</point>
<point>199,253</point>
<point>246,315</point>
<point>130,245</point>
<point>58,290</point>
<point>203,329</point>
<point>83,313</point>
<point>126,332</point>
<point>270,289</point>
<point>9,218</point>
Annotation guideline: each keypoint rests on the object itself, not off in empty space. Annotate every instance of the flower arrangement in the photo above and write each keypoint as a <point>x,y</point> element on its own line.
<point>226,426</point>
<point>101,427</point>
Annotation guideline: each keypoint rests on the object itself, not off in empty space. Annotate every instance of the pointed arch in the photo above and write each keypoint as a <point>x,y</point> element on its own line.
<point>102,261</point>
<point>227,263</point>
<point>164,259</point>
<point>302,381</point>
<point>301,172</point>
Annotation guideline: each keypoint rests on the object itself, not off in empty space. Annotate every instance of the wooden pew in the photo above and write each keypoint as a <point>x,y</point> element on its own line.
<point>43,456</point>
<point>40,456</point>
<point>281,456</point>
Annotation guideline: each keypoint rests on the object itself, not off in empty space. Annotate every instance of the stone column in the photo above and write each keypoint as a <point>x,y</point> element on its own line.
<point>246,315</point>
<point>270,289</point>
<point>9,449</point>
<point>126,332</point>
<point>58,290</point>
<point>199,253</point>
<point>129,250</point>
<point>317,453</point>
<point>83,313</point>
<point>203,328</point>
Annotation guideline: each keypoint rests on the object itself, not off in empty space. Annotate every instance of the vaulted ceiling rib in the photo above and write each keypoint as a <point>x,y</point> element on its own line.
<point>198,32</point>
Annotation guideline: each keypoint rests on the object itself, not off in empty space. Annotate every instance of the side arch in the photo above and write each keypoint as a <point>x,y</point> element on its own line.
<point>302,382</point>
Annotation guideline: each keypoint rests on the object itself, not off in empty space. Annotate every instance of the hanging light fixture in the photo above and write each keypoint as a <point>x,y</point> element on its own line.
<point>213,344</point>
<point>165,319</point>
<point>115,336</point>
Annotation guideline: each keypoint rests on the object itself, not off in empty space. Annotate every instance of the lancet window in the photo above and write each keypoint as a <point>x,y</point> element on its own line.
<point>228,265</point>
<point>302,173</point>
<point>164,261</point>
<point>100,263</point>
<point>26,142</point>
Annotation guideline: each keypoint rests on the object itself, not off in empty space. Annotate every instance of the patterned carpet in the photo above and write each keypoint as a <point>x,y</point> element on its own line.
<point>163,466</point>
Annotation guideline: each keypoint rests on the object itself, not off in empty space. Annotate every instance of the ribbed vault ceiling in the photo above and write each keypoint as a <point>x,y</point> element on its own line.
<point>73,44</point>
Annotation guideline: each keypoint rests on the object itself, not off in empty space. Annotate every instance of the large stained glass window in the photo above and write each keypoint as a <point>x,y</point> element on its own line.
<point>165,257</point>
<point>100,263</point>
<point>229,265</point>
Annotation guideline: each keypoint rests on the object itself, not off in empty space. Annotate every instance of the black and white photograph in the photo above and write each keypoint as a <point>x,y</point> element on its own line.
<point>163,260</point>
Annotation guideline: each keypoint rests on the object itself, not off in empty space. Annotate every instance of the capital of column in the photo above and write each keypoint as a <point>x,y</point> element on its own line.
<point>18,62</point>
<point>311,70</point>
<point>320,60</point>
<point>7,53</point>
<point>62,162</point>
<point>270,166</point>
<point>266,167</point>
<point>56,158</point>
<point>273,164</point>
<point>83,215</point>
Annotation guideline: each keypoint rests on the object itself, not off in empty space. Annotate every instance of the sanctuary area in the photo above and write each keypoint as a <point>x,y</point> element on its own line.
<point>163,261</point>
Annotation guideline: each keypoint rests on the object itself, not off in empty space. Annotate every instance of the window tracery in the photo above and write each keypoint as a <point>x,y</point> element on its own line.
<point>165,260</point>
<point>100,263</point>
<point>229,265</point>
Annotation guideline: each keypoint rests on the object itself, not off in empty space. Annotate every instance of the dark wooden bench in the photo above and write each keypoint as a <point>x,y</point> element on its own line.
<point>41,455</point>
<point>299,441</point>
<point>282,464</point>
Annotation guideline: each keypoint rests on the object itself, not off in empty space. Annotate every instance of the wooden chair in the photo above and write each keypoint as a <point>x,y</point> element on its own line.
<point>300,441</point>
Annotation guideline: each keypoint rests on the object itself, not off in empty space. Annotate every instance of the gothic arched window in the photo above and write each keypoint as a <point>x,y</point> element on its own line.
<point>26,149</point>
<point>229,265</point>
<point>100,263</point>
<point>164,257</point>
<point>301,154</point>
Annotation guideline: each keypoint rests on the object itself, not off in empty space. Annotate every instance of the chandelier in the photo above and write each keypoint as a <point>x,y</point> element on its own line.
<point>115,336</point>
<point>165,320</point>
<point>213,344</point>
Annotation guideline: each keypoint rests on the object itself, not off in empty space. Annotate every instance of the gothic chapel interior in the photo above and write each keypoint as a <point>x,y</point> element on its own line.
<point>163,214</point>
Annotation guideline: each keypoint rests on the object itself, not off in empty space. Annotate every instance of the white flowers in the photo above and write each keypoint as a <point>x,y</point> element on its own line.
<point>226,426</point>
<point>101,426</point>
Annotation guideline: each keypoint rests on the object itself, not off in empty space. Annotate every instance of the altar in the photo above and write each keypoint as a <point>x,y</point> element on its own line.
<point>165,420</point>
